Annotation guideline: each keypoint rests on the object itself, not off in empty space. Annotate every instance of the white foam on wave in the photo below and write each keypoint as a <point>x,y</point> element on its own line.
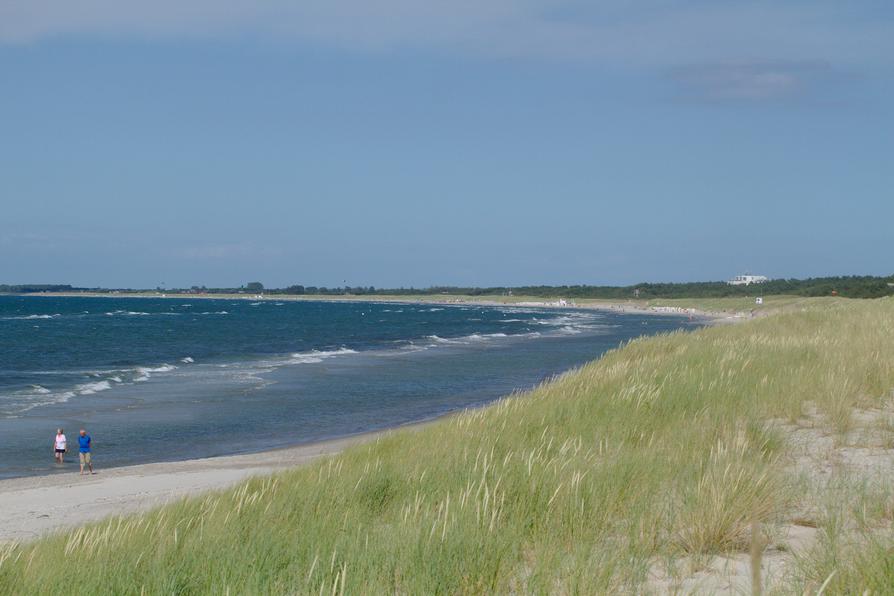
<point>145,372</point>
<point>485,336</point>
<point>442,340</point>
<point>187,360</point>
<point>570,330</point>
<point>475,337</point>
<point>32,317</point>
<point>219,312</point>
<point>315,356</point>
<point>134,313</point>
<point>517,311</point>
<point>91,388</point>
<point>103,380</point>
<point>38,396</point>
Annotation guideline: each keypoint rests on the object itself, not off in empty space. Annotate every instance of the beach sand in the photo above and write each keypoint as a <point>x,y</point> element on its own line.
<point>37,505</point>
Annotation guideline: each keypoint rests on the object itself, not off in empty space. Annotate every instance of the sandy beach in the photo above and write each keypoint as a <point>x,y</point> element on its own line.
<point>37,505</point>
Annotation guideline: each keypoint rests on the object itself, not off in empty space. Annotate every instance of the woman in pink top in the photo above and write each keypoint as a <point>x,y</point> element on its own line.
<point>60,446</point>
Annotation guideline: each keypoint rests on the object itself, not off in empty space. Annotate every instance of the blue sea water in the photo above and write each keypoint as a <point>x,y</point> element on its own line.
<point>156,379</point>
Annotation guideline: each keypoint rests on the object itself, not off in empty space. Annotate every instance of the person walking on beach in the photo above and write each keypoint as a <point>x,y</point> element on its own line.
<point>84,443</point>
<point>60,446</point>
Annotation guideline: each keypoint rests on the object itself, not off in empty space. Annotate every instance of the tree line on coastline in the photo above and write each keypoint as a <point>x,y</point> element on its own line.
<point>846,286</point>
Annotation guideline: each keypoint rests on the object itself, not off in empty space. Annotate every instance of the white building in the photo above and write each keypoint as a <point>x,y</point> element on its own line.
<point>747,280</point>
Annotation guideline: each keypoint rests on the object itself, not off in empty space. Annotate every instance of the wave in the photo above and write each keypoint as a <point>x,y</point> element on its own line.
<point>315,356</point>
<point>485,336</point>
<point>442,340</point>
<point>28,400</point>
<point>468,339</point>
<point>133,313</point>
<point>91,388</point>
<point>219,312</point>
<point>145,372</point>
<point>14,405</point>
<point>187,360</point>
<point>32,317</point>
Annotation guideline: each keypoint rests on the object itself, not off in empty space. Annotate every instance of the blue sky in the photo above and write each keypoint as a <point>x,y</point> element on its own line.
<point>463,143</point>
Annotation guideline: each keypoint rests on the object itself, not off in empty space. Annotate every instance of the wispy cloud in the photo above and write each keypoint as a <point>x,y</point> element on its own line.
<point>757,82</point>
<point>650,32</point>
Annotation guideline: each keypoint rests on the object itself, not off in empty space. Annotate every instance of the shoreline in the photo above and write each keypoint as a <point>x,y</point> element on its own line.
<point>616,306</point>
<point>34,506</point>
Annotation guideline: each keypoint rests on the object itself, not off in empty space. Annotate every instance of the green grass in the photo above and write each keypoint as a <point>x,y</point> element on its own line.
<point>658,450</point>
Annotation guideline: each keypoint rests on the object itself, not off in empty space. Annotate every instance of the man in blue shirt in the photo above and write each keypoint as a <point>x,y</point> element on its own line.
<point>84,442</point>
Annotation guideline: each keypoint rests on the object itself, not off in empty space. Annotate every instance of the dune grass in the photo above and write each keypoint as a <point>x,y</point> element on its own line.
<point>659,450</point>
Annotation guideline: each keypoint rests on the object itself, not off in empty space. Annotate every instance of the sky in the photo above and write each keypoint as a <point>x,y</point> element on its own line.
<point>411,143</point>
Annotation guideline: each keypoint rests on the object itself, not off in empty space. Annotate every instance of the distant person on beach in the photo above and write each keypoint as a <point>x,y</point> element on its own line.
<point>84,443</point>
<point>60,446</point>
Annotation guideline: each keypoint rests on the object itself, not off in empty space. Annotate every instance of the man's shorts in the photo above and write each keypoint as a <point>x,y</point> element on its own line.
<point>84,457</point>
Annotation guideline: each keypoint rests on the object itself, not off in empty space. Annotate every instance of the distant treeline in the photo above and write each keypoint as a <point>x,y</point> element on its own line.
<point>31,288</point>
<point>847,286</point>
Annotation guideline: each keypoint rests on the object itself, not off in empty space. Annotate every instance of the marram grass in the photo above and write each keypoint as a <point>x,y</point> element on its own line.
<point>658,450</point>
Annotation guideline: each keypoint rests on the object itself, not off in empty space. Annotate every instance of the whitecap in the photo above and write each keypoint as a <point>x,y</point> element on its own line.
<point>144,372</point>
<point>570,331</point>
<point>442,340</point>
<point>315,356</point>
<point>187,360</point>
<point>91,388</point>
<point>31,317</point>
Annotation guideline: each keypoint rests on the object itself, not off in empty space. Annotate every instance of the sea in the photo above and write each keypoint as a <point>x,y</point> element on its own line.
<point>162,379</point>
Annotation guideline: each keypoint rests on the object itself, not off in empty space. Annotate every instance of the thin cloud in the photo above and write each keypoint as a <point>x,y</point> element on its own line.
<point>758,82</point>
<point>648,33</point>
